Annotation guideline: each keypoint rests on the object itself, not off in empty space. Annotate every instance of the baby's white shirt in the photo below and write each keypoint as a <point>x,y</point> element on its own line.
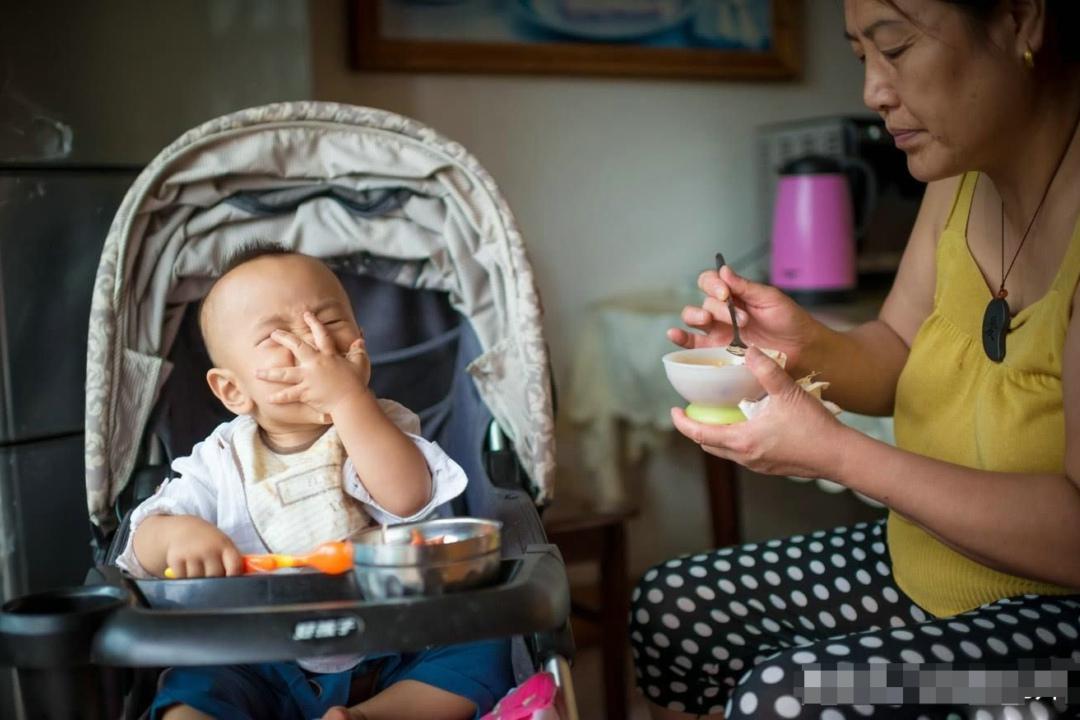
<point>209,485</point>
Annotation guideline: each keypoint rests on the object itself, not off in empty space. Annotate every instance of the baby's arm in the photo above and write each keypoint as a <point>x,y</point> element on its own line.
<point>188,544</point>
<point>448,480</point>
<point>387,461</point>
<point>175,527</point>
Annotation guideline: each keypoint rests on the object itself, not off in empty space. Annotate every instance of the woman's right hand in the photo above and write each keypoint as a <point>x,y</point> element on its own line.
<point>767,317</point>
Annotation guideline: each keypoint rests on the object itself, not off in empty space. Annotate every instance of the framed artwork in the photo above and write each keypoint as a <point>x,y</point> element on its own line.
<point>720,39</point>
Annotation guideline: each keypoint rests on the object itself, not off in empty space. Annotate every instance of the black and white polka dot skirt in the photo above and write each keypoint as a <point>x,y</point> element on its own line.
<point>735,630</point>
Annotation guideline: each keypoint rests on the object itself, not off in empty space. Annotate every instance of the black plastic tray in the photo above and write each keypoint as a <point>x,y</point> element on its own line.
<point>247,591</point>
<point>69,646</point>
<point>530,596</point>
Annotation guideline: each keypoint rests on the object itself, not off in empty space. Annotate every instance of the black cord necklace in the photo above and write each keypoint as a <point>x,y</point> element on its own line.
<point>997,316</point>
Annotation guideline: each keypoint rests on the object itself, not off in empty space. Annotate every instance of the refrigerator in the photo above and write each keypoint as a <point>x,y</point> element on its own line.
<point>53,222</point>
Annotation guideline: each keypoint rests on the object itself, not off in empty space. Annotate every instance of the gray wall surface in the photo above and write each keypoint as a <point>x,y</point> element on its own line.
<point>127,77</point>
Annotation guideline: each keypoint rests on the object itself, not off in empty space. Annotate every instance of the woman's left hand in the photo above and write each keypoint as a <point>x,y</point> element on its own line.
<point>795,434</point>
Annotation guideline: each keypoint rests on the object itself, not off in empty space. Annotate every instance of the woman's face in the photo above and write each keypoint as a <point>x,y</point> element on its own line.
<point>951,91</point>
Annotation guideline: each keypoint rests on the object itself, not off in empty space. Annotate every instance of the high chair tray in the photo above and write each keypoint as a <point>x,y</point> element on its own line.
<point>262,618</point>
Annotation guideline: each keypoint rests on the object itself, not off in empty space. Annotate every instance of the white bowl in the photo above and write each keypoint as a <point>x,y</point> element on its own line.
<point>713,377</point>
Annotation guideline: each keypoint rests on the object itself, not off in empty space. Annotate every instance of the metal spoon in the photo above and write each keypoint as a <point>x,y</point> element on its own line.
<point>736,346</point>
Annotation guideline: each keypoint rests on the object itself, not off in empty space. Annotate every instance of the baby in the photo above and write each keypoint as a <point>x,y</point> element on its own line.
<point>312,456</point>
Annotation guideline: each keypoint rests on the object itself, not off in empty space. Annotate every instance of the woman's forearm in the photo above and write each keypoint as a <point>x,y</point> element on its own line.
<point>861,366</point>
<point>1022,524</point>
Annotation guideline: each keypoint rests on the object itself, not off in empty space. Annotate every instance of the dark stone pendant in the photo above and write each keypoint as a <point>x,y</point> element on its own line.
<point>995,327</point>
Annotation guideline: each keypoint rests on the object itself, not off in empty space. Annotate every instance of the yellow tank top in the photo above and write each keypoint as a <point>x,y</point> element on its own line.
<point>954,404</point>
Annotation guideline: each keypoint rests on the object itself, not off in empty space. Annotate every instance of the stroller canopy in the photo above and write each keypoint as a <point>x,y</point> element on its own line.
<point>376,192</point>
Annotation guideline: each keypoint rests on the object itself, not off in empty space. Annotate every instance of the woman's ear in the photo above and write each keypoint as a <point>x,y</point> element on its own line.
<point>226,389</point>
<point>1029,18</point>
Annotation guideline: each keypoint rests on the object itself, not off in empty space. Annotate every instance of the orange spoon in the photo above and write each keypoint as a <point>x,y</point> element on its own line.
<point>332,558</point>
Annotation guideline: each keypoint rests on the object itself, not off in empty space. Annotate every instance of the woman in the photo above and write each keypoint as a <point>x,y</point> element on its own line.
<point>980,558</point>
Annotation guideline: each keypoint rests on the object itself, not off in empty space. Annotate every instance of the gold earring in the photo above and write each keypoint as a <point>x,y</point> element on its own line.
<point>1029,59</point>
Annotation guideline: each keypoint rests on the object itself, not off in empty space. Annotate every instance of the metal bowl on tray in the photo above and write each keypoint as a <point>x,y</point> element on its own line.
<point>430,557</point>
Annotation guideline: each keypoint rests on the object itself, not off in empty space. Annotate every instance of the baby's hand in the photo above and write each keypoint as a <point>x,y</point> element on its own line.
<point>322,378</point>
<point>200,550</point>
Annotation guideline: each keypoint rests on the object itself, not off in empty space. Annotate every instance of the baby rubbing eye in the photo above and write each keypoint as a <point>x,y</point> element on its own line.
<point>267,339</point>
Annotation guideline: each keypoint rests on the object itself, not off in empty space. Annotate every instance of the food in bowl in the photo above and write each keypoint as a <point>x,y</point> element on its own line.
<point>714,362</point>
<point>429,557</point>
<point>417,538</point>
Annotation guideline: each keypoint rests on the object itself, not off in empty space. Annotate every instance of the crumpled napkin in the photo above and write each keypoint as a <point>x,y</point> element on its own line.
<point>750,408</point>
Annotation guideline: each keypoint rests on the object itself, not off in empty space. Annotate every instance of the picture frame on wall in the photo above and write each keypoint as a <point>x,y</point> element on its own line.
<point>704,39</point>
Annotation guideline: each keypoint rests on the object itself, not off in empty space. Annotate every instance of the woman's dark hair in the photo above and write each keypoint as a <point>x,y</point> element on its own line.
<point>1061,17</point>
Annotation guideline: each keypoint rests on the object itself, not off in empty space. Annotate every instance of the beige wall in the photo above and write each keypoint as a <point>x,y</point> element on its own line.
<point>622,185</point>
<point>618,185</point>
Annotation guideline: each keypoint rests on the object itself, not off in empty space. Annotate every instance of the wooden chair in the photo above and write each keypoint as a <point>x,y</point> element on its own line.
<point>587,535</point>
<point>723,500</point>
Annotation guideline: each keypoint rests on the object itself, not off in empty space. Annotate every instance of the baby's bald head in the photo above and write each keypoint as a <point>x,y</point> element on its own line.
<point>263,280</point>
<point>265,291</point>
<point>245,254</point>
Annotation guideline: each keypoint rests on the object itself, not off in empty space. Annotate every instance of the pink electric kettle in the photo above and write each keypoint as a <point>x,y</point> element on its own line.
<point>813,235</point>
